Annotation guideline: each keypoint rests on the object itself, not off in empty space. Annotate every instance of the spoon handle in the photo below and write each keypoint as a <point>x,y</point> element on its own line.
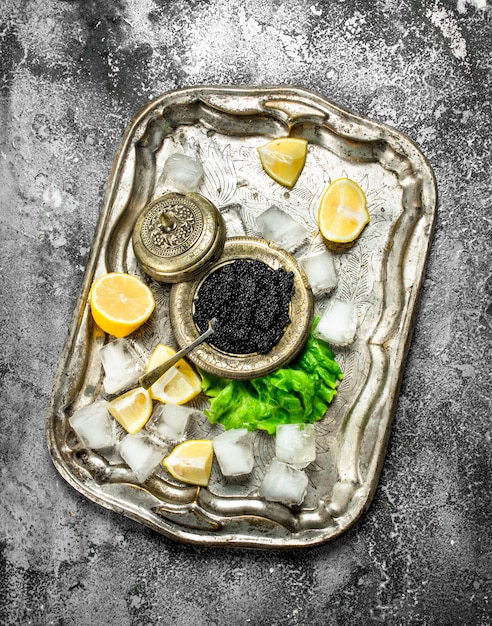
<point>148,379</point>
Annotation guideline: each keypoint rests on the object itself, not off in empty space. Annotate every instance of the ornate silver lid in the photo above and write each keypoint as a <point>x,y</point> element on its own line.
<point>177,235</point>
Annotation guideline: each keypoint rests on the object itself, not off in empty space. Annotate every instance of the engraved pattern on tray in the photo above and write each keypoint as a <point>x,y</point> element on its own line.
<point>381,274</point>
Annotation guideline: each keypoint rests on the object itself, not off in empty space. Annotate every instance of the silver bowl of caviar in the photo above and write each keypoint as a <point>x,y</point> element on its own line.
<point>263,304</point>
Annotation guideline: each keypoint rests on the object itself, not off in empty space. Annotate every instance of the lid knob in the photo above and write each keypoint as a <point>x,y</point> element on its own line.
<point>168,221</point>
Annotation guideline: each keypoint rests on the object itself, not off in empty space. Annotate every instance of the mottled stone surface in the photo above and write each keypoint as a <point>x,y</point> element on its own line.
<point>72,75</point>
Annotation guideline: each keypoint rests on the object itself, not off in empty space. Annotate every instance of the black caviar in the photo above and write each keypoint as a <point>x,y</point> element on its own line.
<point>251,303</point>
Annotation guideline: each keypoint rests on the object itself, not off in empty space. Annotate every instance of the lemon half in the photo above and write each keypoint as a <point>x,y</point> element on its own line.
<point>343,211</point>
<point>120,303</point>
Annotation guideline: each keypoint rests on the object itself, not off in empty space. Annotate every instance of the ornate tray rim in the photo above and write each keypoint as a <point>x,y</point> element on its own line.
<point>337,517</point>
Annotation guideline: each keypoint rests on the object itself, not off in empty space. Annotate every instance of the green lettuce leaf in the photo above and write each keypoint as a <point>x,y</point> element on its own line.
<point>298,393</point>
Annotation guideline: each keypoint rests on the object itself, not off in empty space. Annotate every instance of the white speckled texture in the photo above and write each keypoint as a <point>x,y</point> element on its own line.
<point>73,73</point>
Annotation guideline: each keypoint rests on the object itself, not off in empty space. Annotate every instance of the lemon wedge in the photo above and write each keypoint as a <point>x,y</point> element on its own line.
<point>179,384</point>
<point>283,159</point>
<point>191,461</point>
<point>343,211</point>
<point>132,409</point>
<point>120,303</point>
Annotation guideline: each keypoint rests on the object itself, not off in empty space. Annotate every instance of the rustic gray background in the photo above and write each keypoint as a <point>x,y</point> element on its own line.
<point>73,73</point>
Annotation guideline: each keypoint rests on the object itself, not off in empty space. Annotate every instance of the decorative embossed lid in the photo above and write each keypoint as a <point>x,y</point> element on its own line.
<point>177,235</point>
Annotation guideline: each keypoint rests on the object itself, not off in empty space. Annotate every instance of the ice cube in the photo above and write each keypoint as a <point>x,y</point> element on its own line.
<point>170,421</point>
<point>122,365</point>
<point>181,173</point>
<point>234,452</point>
<point>320,271</point>
<point>141,455</point>
<point>233,221</point>
<point>338,323</point>
<point>284,483</point>
<point>278,226</point>
<point>94,426</point>
<point>295,444</point>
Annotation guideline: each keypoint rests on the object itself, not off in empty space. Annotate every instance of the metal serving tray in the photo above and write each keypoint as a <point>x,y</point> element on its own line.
<point>381,274</point>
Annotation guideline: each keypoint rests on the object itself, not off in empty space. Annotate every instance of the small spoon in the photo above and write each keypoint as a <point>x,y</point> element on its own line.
<point>148,379</point>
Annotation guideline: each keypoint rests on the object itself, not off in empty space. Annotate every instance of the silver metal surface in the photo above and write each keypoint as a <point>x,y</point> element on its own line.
<point>381,274</point>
